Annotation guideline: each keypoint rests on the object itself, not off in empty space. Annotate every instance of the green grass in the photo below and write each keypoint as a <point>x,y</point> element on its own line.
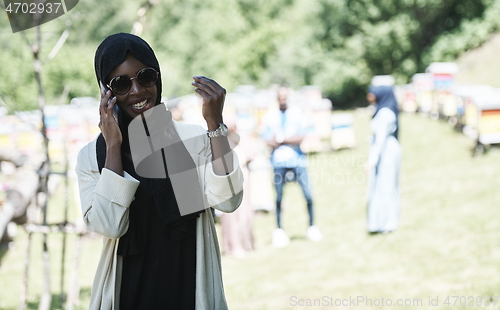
<point>447,243</point>
<point>12,260</point>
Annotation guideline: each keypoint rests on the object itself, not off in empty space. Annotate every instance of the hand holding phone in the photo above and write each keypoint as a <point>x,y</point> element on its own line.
<point>110,128</point>
<point>116,108</point>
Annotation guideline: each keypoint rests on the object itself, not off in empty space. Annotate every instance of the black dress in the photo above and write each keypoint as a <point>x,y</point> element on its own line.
<point>159,267</point>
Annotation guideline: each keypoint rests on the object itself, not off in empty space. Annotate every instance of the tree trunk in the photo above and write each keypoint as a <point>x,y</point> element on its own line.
<point>23,304</point>
<point>46,295</point>
<point>74,289</point>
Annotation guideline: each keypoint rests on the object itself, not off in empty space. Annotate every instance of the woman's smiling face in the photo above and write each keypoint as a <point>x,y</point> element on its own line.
<point>139,98</point>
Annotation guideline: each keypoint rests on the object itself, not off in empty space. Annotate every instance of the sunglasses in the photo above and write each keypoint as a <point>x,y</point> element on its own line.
<point>120,85</point>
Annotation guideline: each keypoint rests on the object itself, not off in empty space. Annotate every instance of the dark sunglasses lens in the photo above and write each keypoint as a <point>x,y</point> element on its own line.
<point>121,85</point>
<point>147,77</point>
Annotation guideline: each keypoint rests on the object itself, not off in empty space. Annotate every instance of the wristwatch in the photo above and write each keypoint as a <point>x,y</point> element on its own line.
<point>219,132</point>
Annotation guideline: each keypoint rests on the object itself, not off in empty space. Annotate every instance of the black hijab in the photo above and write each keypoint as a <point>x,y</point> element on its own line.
<point>386,99</point>
<point>159,192</point>
<point>115,48</point>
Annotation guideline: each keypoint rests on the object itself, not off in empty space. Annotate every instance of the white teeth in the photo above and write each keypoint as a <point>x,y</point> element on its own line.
<point>140,105</point>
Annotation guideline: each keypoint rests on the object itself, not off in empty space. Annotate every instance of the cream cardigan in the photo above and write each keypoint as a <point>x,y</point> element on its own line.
<point>105,199</point>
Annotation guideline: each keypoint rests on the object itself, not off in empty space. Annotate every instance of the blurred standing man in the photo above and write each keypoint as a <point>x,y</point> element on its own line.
<point>284,130</point>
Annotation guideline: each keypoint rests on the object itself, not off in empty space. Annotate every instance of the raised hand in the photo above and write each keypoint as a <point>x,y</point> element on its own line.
<point>213,96</point>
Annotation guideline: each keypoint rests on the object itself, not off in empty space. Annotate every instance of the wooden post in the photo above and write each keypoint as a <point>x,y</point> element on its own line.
<point>74,289</point>
<point>24,288</point>
<point>46,297</point>
<point>37,64</point>
<point>31,214</point>
<point>62,297</point>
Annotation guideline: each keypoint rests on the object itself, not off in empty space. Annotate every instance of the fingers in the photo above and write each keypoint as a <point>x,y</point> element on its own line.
<point>209,86</point>
<point>111,105</point>
<point>106,104</point>
<point>104,101</point>
<point>106,111</point>
<point>205,83</point>
<point>201,92</point>
<point>213,96</point>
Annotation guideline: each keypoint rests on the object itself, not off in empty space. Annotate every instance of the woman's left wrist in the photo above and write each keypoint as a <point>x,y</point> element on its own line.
<point>213,124</point>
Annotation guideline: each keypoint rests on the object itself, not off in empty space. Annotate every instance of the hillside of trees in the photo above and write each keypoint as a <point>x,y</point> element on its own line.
<point>336,44</point>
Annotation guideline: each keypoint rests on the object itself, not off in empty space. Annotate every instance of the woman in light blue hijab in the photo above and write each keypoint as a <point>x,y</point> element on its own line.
<point>384,162</point>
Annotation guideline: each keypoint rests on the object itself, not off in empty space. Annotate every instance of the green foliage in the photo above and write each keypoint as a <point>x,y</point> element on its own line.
<point>384,37</point>
<point>336,44</point>
<point>73,69</point>
<point>470,34</point>
<point>17,83</point>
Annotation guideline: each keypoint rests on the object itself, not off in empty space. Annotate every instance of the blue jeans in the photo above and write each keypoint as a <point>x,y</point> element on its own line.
<point>281,176</point>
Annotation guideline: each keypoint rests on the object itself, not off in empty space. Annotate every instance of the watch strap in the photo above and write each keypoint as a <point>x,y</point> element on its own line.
<point>217,132</point>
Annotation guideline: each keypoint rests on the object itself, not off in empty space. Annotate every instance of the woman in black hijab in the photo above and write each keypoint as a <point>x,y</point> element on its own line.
<point>384,162</point>
<point>155,254</point>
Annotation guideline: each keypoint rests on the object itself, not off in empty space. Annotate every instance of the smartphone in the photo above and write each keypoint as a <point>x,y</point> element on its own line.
<point>116,108</point>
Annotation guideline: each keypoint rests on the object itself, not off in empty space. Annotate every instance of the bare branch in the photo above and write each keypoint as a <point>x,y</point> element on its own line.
<point>138,26</point>
<point>59,44</point>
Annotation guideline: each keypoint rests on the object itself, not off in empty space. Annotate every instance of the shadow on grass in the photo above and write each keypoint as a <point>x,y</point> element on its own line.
<point>4,247</point>
<point>56,302</point>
